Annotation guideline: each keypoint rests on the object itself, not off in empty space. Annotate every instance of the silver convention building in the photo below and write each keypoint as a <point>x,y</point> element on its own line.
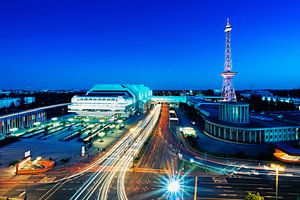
<point>105,100</point>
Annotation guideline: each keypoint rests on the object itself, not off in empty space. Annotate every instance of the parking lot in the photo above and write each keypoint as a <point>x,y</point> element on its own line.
<point>61,139</point>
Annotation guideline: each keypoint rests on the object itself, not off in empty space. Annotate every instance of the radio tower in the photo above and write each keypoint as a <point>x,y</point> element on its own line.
<point>227,89</point>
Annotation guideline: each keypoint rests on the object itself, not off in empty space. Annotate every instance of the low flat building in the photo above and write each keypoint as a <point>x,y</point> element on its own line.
<point>105,100</point>
<point>25,119</point>
<point>20,120</point>
<point>169,99</point>
<point>231,121</point>
<point>29,100</point>
<point>8,102</point>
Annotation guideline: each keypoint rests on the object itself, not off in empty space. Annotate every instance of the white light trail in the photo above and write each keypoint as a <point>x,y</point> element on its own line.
<point>118,158</point>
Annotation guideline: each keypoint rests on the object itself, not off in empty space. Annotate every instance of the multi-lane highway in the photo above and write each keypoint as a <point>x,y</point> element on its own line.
<point>94,181</point>
<point>118,160</point>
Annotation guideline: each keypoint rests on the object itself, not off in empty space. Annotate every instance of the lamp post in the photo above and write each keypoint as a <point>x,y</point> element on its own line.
<point>13,130</point>
<point>277,168</point>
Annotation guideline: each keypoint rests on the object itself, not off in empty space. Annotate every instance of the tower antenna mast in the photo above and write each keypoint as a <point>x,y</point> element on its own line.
<point>228,92</point>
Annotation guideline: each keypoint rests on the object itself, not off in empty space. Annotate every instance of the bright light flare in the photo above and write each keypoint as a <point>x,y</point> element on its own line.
<point>173,186</point>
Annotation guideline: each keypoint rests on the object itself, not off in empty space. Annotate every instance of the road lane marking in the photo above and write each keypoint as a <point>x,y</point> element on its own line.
<point>22,193</point>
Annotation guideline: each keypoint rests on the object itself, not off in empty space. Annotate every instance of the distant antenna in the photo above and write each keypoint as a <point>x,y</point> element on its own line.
<point>227,89</point>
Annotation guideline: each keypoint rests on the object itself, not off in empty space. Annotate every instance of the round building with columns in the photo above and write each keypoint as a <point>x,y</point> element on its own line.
<point>234,123</point>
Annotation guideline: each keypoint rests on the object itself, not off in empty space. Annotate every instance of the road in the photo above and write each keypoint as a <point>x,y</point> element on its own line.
<point>110,176</point>
<point>158,163</point>
<point>223,185</point>
<point>94,181</point>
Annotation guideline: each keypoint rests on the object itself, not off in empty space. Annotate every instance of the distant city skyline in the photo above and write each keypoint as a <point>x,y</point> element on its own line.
<point>162,44</point>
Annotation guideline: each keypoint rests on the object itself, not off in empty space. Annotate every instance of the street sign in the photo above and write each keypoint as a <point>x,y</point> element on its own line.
<point>27,154</point>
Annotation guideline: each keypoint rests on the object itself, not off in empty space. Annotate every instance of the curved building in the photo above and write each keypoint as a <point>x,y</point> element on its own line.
<point>105,100</point>
<point>233,112</point>
<point>231,121</point>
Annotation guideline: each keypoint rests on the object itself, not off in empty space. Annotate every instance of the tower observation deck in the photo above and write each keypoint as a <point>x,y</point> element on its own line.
<point>228,91</point>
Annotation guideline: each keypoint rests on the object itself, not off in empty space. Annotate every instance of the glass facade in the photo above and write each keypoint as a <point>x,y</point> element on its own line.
<point>20,121</point>
<point>234,113</point>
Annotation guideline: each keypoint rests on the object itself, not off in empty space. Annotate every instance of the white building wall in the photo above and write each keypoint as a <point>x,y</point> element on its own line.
<point>7,102</point>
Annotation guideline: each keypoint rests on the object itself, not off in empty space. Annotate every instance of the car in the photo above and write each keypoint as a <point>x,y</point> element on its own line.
<point>253,172</point>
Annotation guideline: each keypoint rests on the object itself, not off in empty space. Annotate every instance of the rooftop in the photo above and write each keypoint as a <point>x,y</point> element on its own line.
<point>234,103</point>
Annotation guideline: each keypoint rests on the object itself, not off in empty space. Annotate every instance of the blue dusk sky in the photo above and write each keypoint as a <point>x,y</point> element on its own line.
<point>162,44</point>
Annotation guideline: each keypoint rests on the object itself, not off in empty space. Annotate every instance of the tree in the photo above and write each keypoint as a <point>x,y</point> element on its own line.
<point>251,196</point>
<point>291,105</point>
<point>272,105</point>
<point>255,103</point>
<point>12,105</point>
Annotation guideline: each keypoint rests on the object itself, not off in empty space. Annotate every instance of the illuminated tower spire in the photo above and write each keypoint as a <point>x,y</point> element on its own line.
<point>227,89</point>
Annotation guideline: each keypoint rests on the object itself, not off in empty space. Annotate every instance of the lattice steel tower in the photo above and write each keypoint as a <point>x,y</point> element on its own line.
<point>228,91</point>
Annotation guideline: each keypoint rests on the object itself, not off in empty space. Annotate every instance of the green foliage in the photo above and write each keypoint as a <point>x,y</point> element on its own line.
<point>65,160</point>
<point>256,103</point>
<point>251,196</point>
<point>192,113</point>
<point>13,163</point>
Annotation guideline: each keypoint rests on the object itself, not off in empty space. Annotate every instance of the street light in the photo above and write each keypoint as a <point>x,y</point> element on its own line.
<point>101,135</point>
<point>37,123</point>
<point>277,168</point>
<point>13,130</point>
<point>71,119</point>
<point>173,186</point>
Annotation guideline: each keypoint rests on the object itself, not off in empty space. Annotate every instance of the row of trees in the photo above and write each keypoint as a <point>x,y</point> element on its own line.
<point>252,196</point>
<point>287,93</point>
<point>41,99</point>
<point>192,113</point>
<point>208,92</point>
<point>256,103</point>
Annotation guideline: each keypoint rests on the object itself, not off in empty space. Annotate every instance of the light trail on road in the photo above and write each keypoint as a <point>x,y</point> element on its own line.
<point>136,147</point>
<point>118,158</point>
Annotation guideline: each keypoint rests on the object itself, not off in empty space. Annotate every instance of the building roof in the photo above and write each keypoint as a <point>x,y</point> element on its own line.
<point>137,92</point>
<point>234,103</point>
<point>107,87</point>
